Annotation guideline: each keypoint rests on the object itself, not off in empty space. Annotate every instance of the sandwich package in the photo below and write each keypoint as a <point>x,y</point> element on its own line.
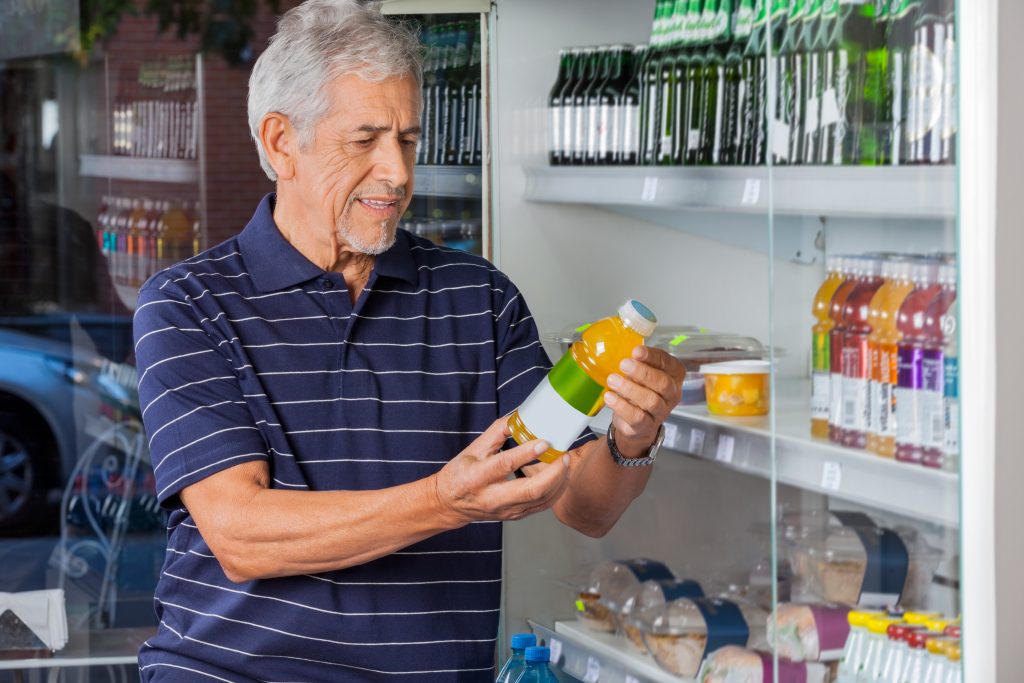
<point>647,597</point>
<point>682,632</point>
<point>809,632</point>
<point>599,592</point>
<point>732,664</point>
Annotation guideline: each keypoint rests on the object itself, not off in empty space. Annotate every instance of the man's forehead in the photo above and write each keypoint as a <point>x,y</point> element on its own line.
<point>356,94</point>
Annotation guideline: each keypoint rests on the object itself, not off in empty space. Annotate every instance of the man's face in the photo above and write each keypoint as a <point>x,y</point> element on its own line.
<point>357,176</point>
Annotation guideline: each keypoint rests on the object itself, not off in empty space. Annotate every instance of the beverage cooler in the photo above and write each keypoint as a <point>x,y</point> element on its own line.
<point>797,191</point>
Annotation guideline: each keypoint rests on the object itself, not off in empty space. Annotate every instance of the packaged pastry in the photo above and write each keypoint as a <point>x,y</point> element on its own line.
<point>732,664</point>
<point>809,632</point>
<point>680,634</point>
<point>648,596</point>
<point>599,592</point>
<point>855,562</point>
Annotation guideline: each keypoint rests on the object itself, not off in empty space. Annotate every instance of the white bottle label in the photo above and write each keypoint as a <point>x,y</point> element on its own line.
<point>855,403</point>
<point>693,139</point>
<point>835,408</point>
<point>951,437</point>
<point>933,422</point>
<point>821,383</point>
<point>548,416</point>
<point>780,139</point>
<point>829,107</point>
<point>875,408</point>
<point>555,131</point>
<point>630,136</point>
<point>567,119</point>
<point>886,415</point>
<point>908,425</point>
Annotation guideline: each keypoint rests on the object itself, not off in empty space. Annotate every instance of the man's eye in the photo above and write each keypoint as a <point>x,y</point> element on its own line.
<point>364,143</point>
<point>410,143</point>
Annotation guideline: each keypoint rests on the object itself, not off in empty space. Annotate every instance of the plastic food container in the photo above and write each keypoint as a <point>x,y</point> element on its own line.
<point>600,592</point>
<point>809,632</point>
<point>738,388</point>
<point>831,566</point>
<point>679,634</point>
<point>695,349</point>
<point>732,664</point>
<point>645,598</point>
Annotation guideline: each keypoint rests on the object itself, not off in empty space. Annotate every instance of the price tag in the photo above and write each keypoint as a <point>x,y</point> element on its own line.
<point>697,442</point>
<point>831,476</point>
<point>593,670</point>
<point>726,444</point>
<point>556,650</point>
<point>671,433</point>
<point>751,191</point>
<point>650,191</point>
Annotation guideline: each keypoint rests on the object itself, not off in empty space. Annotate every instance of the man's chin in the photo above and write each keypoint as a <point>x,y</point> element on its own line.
<point>385,241</point>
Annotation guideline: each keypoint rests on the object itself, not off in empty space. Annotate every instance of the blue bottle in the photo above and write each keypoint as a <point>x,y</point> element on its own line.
<point>517,662</point>
<point>537,669</point>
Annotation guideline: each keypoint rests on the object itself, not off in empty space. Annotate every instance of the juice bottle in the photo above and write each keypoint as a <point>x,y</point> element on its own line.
<point>911,323</point>
<point>856,362</point>
<point>563,403</point>
<point>852,267</point>
<point>821,369</point>
<point>135,242</point>
<point>882,345</point>
<point>175,241</point>
<point>951,392</point>
<point>933,371</point>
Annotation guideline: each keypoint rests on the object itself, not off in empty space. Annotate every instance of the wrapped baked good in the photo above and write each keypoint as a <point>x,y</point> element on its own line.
<point>679,634</point>
<point>732,664</point>
<point>855,562</point>
<point>648,596</point>
<point>599,592</point>
<point>809,632</point>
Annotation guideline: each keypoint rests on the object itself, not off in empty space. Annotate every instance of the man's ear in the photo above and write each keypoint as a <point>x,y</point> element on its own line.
<point>280,144</point>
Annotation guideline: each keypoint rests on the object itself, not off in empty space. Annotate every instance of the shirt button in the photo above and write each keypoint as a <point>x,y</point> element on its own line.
<point>327,283</point>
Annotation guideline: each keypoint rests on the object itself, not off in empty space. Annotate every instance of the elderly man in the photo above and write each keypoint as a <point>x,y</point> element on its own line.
<point>325,396</point>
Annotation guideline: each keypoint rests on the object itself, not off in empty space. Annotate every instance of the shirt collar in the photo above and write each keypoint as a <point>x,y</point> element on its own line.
<point>274,264</point>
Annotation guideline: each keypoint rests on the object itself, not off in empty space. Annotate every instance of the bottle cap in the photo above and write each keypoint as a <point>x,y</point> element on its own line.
<point>902,631</point>
<point>939,645</point>
<point>924,273</point>
<point>921,618</point>
<point>521,641</point>
<point>953,651</point>
<point>538,654</point>
<point>859,619</point>
<point>834,264</point>
<point>873,266</point>
<point>918,639</point>
<point>638,317</point>
<point>947,274</point>
<point>880,625</point>
<point>953,631</point>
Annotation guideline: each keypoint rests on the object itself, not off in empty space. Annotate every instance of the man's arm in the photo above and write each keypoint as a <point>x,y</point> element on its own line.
<point>641,399</point>
<point>257,532</point>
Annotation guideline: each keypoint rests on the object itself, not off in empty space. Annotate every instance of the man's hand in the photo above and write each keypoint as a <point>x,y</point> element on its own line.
<point>642,397</point>
<point>475,485</point>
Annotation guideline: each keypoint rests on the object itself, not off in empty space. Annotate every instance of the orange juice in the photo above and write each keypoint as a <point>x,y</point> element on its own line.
<point>821,368</point>
<point>563,403</point>
<point>882,348</point>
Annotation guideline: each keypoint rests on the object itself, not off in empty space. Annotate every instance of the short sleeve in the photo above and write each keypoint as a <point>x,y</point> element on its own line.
<point>521,362</point>
<point>193,409</point>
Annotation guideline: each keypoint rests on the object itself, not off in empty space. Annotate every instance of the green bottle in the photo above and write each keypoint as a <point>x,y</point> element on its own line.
<point>753,73</point>
<point>902,18</point>
<point>812,85</point>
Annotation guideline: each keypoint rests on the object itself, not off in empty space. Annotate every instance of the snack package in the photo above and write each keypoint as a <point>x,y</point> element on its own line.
<point>679,634</point>
<point>732,664</point>
<point>32,623</point>
<point>648,596</point>
<point>809,632</point>
<point>599,592</point>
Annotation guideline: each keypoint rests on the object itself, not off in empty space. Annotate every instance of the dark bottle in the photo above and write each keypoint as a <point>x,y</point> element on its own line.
<point>439,95</point>
<point>720,93</point>
<point>735,121</point>
<point>949,90</point>
<point>596,98</point>
<point>473,130</point>
<point>579,106</point>
<point>858,41</point>
<point>835,76</point>
<point>877,93</point>
<point>555,145</point>
<point>578,57</point>
<point>425,148</point>
<point>455,94</point>
<point>902,18</point>
<point>627,150</point>
<point>754,73</point>
<point>692,80</point>
<point>813,83</point>
<point>927,75</point>
<point>650,93</point>
<point>610,113</point>
<point>780,113</point>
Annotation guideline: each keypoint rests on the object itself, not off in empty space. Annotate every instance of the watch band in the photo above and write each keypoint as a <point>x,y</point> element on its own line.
<point>645,461</point>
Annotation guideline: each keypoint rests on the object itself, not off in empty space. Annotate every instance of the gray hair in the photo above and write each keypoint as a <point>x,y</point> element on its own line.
<point>316,42</point>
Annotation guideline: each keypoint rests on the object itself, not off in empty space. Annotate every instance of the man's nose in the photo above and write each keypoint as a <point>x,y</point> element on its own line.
<point>392,165</point>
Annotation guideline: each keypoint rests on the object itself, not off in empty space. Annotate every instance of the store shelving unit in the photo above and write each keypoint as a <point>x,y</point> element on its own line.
<point>449,181</point>
<point>590,656</point>
<point>180,171</point>
<point>912,192</point>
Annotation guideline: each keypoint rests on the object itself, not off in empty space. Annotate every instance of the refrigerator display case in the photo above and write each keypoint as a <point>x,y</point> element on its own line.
<point>719,163</point>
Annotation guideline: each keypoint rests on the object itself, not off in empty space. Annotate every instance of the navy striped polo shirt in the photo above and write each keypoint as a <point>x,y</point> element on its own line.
<point>249,351</point>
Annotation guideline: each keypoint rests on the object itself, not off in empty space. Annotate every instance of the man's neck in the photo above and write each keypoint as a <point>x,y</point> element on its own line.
<point>321,245</point>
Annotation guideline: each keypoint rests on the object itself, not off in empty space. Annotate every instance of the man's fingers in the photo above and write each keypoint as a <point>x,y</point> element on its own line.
<point>506,462</point>
<point>543,486</point>
<point>661,360</point>
<point>492,439</point>
<point>639,395</point>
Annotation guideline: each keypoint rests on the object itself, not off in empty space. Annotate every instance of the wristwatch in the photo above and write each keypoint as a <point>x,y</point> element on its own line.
<point>645,461</point>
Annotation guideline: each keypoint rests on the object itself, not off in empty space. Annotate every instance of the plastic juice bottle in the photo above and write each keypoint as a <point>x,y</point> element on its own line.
<point>954,674</point>
<point>853,266</point>
<point>935,665</point>
<point>917,659</point>
<point>933,452</point>
<point>896,655</point>
<point>517,661</point>
<point>821,368</point>
<point>563,403</point>
<point>951,392</point>
<point>537,669</point>
<point>853,652</point>
<point>882,347</point>
<point>175,235</point>
<point>912,325</point>
<point>135,219</point>
<point>856,361</point>
<point>875,645</point>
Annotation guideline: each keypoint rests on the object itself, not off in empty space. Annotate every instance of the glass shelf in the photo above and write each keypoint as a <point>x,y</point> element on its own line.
<point>181,171</point>
<point>448,181</point>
